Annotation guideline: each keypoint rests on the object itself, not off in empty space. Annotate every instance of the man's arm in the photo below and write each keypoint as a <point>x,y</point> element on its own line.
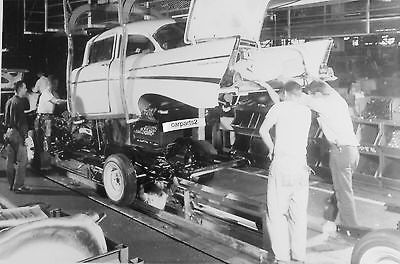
<point>326,85</point>
<point>26,103</point>
<point>37,87</point>
<point>47,95</point>
<point>315,104</point>
<point>54,100</point>
<point>269,121</point>
<point>7,114</point>
<point>272,94</point>
<point>13,114</point>
<point>250,75</point>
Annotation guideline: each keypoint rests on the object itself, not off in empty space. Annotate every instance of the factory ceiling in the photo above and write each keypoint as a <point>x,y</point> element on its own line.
<point>283,19</point>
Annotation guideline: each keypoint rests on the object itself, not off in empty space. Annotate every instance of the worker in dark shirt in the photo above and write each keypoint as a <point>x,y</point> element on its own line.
<point>17,130</point>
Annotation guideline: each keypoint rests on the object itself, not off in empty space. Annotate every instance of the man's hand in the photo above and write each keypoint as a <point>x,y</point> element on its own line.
<point>259,82</point>
<point>61,101</point>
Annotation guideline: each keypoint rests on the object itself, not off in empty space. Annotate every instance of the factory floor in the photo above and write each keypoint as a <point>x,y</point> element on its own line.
<point>154,247</point>
<point>143,242</point>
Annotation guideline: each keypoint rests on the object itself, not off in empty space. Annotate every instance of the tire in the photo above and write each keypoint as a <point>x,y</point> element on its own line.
<point>382,246</point>
<point>216,137</point>
<point>119,179</point>
<point>204,150</point>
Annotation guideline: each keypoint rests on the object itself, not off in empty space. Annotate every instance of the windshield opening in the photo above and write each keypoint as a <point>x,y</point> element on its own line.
<point>170,36</point>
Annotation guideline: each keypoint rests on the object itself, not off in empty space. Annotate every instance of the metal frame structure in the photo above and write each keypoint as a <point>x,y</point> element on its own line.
<point>335,18</point>
<point>42,16</point>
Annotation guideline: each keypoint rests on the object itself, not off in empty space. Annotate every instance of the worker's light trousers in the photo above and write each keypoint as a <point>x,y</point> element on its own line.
<point>287,200</point>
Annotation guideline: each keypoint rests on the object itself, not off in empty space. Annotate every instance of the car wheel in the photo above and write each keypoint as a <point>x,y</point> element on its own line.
<point>119,179</point>
<point>217,137</point>
<point>378,247</point>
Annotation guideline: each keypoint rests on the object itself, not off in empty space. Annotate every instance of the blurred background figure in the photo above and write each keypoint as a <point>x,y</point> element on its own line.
<point>42,82</point>
<point>43,123</point>
<point>33,98</point>
<point>58,93</point>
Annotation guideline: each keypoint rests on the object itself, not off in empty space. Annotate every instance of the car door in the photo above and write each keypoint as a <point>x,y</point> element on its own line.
<point>92,88</point>
<point>137,46</point>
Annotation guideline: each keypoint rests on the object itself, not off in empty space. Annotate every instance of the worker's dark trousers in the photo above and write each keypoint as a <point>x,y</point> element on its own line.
<point>16,159</point>
<point>41,158</point>
<point>342,162</point>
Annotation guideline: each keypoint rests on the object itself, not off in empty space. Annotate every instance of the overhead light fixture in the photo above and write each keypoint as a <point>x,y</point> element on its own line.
<point>179,16</point>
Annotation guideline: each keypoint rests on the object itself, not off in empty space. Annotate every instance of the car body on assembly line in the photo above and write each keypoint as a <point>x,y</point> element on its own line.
<point>148,92</point>
<point>163,62</point>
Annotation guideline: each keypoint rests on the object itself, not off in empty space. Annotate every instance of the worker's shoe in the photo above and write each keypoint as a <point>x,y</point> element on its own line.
<point>277,261</point>
<point>295,261</point>
<point>22,189</point>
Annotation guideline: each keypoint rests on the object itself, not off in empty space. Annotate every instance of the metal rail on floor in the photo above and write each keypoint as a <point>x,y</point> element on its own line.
<point>207,203</point>
<point>199,198</point>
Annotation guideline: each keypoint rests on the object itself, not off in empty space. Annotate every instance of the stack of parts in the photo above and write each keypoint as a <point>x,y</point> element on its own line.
<point>395,140</point>
<point>378,108</point>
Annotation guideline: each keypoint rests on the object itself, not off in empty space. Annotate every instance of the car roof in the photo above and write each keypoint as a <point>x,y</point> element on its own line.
<point>148,27</point>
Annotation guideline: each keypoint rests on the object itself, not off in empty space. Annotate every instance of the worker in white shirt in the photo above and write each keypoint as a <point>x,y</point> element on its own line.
<point>48,99</point>
<point>335,121</point>
<point>42,83</point>
<point>31,114</point>
<point>45,110</point>
<point>287,193</point>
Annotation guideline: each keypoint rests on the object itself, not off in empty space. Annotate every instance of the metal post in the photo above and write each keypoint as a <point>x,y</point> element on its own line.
<point>368,18</point>
<point>186,201</point>
<point>122,55</point>
<point>288,23</point>
<point>200,132</point>
<point>274,17</point>
<point>120,12</point>
<point>24,15</point>
<point>90,14</point>
<point>1,41</point>
<point>70,52</point>
<point>378,142</point>
<point>46,15</point>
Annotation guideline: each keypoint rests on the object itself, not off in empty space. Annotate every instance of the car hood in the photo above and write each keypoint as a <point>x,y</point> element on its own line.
<point>210,19</point>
